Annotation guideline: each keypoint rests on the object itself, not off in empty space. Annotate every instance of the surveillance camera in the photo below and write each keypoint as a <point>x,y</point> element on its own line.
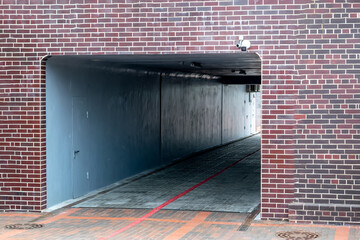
<point>244,45</point>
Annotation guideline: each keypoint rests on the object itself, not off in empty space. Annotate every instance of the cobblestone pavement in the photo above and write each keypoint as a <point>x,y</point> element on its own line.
<point>96,223</point>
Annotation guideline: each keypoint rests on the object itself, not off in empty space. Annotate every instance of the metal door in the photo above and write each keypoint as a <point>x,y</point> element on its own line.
<point>80,131</point>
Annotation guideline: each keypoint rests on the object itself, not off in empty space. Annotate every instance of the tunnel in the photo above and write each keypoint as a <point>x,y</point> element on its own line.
<point>111,118</point>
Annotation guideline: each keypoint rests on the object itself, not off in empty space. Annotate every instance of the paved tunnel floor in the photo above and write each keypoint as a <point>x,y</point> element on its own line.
<point>235,190</point>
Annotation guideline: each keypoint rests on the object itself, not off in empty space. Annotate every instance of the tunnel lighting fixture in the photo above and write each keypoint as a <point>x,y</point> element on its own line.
<point>196,65</point>
<point>253,88</point>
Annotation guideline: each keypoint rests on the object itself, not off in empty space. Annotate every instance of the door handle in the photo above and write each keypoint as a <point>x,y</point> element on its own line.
<point>76,152</point>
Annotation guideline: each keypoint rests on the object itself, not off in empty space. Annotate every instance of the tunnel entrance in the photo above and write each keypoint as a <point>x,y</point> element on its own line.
<point>112,117</point>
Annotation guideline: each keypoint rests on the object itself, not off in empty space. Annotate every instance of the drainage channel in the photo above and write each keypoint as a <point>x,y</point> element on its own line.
<point>246,224</point>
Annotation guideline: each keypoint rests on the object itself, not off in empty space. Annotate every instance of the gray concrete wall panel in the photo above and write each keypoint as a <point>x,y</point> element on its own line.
<point>59,136</point>
<point>234,112</point>
<point>239,112</point>
<point>190,116</point>
<point>124,131</point>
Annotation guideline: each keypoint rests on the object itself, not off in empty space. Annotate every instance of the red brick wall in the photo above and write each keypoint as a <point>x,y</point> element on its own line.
<point>327,144</point>
<point>310,59</point>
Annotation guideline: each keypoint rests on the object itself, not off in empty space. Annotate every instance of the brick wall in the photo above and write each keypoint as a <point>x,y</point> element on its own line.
<point>327,145</point>
<point>310,75</point>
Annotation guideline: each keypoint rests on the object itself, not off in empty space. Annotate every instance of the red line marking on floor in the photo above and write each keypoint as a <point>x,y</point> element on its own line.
<point>155,210</point>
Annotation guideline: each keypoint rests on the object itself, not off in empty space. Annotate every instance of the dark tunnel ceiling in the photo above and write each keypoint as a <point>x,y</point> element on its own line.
<point>231,68</point>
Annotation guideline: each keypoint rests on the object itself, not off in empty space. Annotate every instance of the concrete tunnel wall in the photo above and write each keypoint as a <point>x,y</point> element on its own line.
<point>134,121</point>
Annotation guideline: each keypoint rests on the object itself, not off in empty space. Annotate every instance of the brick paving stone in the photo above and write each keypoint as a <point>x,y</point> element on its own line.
<point>92,224</point>
<point>354,234</point>
<point>226,217</point>
<point>179,215</point>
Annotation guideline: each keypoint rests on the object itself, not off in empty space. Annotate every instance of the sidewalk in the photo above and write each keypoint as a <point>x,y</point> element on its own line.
<point>91,223</point>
